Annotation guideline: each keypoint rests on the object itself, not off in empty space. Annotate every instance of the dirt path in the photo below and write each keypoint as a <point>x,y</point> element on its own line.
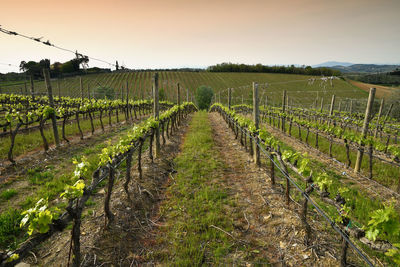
<point>130,236</point>
<point>263,218</point>
<point>371,187</point>
<point>381,91</point>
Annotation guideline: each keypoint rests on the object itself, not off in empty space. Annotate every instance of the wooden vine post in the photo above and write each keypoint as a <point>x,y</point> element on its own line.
<point>127,100</point>
<point>332,107</point>
<point>156,110</point>
<point>365,129</point>
<point>351,106</point>
<point>178,99</point>
<point>386,116</point>
<point>25,88</point>
<point>256,118</point>
<point>187,94</point>
<point>219,97</point>
<point>283,109</point>
<point>32,88</point>
<point>266,102</point>
<point>81,87</point>
<point>58,87</point>
<point>46,75</point>
<point>88,90</point>
<point>230,95</point>
<point>379,116</point>
<point>322,104</point>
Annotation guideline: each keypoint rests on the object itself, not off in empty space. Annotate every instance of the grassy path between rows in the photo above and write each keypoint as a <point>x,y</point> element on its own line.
<point>195,203</point>
<point>220,210</point>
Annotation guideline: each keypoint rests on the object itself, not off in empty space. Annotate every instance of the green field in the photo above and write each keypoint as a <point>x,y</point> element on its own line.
<point>297,86</point>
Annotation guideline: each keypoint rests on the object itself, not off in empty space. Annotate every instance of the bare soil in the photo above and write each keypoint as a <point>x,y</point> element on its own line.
<point>130,235</point>
<point>381,91</point>
<point>262,219</point>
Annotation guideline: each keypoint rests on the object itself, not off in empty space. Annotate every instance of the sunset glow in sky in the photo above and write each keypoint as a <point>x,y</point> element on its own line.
<point>191,33</point>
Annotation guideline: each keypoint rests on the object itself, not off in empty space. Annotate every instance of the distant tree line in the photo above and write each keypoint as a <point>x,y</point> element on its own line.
<point>388,78</point>
<point>57,69</point>
<point>174,69</point>
<point>306,70</point>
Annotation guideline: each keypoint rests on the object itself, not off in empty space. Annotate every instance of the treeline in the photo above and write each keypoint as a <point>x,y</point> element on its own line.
<point>389,78</point>
<point>306,70</point>
<point>174,69</point>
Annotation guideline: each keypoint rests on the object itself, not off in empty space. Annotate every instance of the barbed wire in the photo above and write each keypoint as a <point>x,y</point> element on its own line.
<point>48,43</point>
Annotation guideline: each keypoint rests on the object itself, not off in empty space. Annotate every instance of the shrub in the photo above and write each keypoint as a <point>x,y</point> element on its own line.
<point>204,95</point>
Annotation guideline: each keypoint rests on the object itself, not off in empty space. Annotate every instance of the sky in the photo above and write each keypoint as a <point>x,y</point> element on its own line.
<point>191,33</point>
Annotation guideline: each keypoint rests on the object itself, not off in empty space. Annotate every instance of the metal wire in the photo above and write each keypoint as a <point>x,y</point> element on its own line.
<point>314,204</point>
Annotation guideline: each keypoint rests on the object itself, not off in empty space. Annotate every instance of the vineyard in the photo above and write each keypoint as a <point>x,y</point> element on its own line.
<point>301,88</point>
<point>292,170</point>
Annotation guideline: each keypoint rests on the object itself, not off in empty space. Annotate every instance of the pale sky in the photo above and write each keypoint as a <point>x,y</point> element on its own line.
<point>178,33</point>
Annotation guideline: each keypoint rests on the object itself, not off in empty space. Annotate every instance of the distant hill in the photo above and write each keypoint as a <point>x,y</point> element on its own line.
<point>365,68</point>
<point>332,63</point>
<point>346,67</point>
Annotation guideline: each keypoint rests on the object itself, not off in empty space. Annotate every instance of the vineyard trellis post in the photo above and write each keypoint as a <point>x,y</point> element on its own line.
<point>322,104</point>
<point>58,88</point>
<point>283,109</point>
<point>256,117</point>
<point>387,115</point>
<point>266,102</point>
<point>156,110</point>
<point>88,91</point>
<point>351,106</point>
<point>229,97</point>
<point>32,88</point>
<point>127,101</point>
<point>81,87</point>
<point>287,103</point>
<point>330,119</point>
<point>332,106</point>
<point>364,129</point>
<point>178,94</point>
<point>379,116</point>
<point>46,75</point>
<point>187,94</point>
<point>26,89</point>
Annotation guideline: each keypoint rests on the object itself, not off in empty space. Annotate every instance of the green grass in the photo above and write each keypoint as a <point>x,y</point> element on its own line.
<point>196,201</point>
<point>8,194</point>
<point>10,231</point>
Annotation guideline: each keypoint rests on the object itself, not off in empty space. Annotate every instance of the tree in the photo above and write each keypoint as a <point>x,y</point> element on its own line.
<point>204,95</point>
<point>35,68</point>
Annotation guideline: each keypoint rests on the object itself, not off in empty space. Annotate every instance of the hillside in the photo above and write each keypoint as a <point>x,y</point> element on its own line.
<point>365,68</point>
<point>298,87</point>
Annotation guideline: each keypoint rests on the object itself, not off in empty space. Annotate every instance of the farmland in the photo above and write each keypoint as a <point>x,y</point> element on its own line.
<point>139,83</point>
<point>271,178</point>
